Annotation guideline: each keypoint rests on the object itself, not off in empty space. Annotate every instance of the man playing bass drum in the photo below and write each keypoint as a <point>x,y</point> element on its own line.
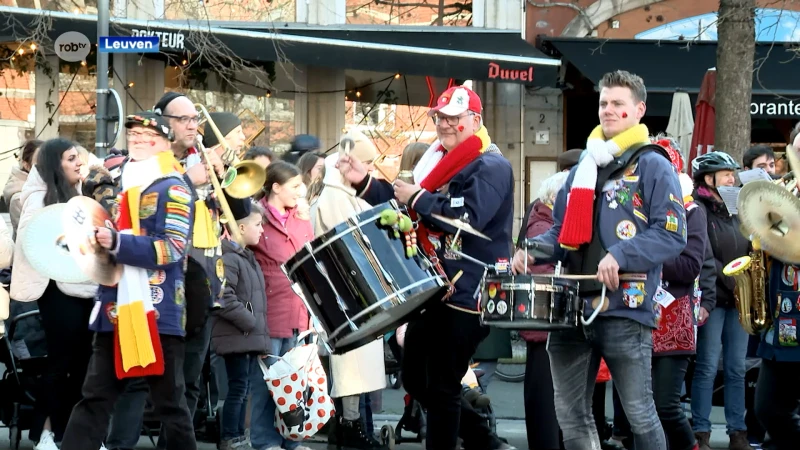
<point>462,174</point>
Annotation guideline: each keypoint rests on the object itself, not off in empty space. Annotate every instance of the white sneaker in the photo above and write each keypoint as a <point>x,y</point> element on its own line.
<point>46,441</point>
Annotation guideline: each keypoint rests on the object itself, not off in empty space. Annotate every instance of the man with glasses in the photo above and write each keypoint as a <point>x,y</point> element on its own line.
<point>204,271</point>
<point>151,240</point>
<point>461,176</point>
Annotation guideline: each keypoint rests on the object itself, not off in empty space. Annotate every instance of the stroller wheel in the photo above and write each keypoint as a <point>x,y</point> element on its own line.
<point>14,436</point>
<point>388,436</point>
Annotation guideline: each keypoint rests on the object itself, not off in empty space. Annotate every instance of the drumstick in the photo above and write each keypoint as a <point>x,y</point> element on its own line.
<point>622,276</point>
<point>457,276</point>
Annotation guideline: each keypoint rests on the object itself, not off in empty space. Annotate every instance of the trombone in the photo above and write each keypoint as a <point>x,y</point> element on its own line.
<point>243,178</point>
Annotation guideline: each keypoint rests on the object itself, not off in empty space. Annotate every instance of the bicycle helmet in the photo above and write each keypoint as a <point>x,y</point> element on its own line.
<point>713,162</point>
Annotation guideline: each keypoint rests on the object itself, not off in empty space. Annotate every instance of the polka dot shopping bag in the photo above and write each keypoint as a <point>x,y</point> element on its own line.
<point>299,386</point>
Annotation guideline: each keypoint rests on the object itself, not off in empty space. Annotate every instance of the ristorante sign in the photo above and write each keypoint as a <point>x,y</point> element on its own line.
<point>497,72</point>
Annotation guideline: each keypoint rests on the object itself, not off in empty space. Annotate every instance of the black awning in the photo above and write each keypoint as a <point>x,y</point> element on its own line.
<point>669,66</point>
<point>463,53</point>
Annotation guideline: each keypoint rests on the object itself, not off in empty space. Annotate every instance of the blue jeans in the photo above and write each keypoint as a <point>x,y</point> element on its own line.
<point>239,367</point>
<point>263,433</point>
<point>627,347</point>
<point>721,333</point>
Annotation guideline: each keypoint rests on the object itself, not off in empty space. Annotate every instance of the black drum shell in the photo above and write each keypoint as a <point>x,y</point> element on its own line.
<point>353,259</point>
<point>530,302</point>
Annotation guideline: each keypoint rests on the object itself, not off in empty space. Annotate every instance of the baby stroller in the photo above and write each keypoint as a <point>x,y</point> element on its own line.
<point>24,354</point>
<point>414,420</point>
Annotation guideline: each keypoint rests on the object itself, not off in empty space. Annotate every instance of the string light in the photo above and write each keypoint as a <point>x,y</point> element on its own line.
<point>184,62</point>
<point>269,93</point>
<point>397,76</point>
<point>358,94</point>
<point>83,63</point>
<point>130,85</point>
<point>33,47</point>
<point>21,51</point>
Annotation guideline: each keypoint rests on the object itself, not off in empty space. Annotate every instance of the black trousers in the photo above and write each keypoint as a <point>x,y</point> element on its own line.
<point>89,421</point>
<point>540,409</point>
<point>669,373</point>
<point>69,346</point>
<point>777,403</point>
<point>438,348</point>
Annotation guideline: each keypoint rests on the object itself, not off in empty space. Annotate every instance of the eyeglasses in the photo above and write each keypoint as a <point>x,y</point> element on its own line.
<point>184,119</point>
<point>138,134</point>
<point>450,120</point>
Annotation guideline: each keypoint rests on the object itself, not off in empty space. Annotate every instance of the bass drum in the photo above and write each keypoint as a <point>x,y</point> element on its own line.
<point>358,282</point>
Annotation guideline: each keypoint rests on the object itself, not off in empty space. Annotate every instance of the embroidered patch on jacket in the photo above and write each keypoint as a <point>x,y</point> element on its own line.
<point>631,178</point>
<point>672,222</point>
<point>111,312</point>
<point>637,200</point>
<point>156,294</point>
<point>220,269</point>
<point>148,205</point>
<point>633,293</point>
<point>179,194</point>
<point>640,215</point>
<point>156,277</point>
<point>674,199</point>
<point>626,230</point>
<point>786,306</point>
<point>787,333</point>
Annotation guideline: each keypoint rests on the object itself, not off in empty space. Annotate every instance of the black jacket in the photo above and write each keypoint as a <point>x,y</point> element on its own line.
<point>240,326</point>
<point>726,241</point>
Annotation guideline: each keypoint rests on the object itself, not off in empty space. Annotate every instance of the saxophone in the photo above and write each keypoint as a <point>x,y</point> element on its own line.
<point>749,273</point>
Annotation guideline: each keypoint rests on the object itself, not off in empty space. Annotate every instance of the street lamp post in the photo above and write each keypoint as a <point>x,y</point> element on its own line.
<point>101,141</point>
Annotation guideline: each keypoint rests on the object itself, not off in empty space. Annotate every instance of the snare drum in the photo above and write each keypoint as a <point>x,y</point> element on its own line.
<point>359,283</point>
<point>530,302</point>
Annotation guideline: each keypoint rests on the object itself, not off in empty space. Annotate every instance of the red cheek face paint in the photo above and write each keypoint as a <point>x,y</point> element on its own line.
<point>624,115</point>
<point>461,128</point>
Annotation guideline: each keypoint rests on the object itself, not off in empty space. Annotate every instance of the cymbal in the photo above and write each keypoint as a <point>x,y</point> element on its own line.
<point>461,225</point>
<point>81,216</point>
<point>42,241</point>
<point>772,214</point>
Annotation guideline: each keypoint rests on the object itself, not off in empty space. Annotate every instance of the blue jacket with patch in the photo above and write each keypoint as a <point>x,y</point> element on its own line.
<point>642,223</point>
<point>484,190</point>
<point>165,213</point>
<point>779,342</point>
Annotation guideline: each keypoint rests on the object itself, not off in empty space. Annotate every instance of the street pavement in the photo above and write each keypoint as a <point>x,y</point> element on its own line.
<point>506,398</point>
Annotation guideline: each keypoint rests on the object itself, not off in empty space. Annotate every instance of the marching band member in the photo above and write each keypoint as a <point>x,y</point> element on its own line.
<point>461,174</point>
<point>205,268</point>
<point>777,401</point>
<point>635,223</point>
<point>140,323</point>
<point>678,304</point>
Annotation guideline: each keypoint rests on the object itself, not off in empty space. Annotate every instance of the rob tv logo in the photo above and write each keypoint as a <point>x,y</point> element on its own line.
<point>72,46</point>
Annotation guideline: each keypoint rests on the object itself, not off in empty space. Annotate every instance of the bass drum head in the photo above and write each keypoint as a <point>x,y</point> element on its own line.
<point>358,281</point>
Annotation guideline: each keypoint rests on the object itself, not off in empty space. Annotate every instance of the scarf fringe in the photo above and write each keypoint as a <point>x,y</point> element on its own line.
<point>578,224</point>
